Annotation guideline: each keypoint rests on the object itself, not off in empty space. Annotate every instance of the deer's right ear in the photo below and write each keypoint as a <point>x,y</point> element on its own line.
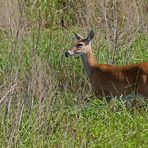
<point>77,36</point>
<point>90,35</point>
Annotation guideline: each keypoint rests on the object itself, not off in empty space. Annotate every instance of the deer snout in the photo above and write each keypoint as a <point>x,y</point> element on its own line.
<point>67,54</point>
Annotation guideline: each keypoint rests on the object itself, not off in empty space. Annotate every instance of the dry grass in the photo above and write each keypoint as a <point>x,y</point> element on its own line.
<point>9,15</point>
<point>45,99</point>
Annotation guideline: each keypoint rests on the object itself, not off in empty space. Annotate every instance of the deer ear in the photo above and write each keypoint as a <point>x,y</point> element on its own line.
<point>90,35</point>
<point>77,36</point>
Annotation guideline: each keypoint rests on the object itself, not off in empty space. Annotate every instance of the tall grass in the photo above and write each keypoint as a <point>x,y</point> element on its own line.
<point>46,99</point>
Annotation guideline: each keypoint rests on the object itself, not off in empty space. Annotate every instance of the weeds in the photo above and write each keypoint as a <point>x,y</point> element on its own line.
<point>45,99</point>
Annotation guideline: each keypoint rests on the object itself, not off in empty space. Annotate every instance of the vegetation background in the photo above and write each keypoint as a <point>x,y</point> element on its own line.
<point>46,99</point>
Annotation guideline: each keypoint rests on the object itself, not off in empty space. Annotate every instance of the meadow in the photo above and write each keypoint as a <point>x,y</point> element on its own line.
<point>46,99</point>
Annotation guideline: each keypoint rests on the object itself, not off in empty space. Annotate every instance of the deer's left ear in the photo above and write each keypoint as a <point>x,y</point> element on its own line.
<point>90,35</point>
<point>77,36</point>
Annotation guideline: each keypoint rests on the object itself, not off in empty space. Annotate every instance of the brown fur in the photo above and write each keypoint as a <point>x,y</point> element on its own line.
<point>120,80</point>
<point>110,80</point>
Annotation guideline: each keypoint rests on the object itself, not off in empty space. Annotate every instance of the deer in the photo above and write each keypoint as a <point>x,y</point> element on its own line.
<point>110,80</point>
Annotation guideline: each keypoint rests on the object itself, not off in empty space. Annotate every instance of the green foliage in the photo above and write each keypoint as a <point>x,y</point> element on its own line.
<point>67,115</point>
<point>45,98</point>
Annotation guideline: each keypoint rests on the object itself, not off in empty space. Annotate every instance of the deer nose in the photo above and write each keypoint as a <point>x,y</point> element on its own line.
<point>67,54</point>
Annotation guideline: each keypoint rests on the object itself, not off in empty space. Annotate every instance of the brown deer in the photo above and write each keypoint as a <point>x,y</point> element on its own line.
<point>109,80</point>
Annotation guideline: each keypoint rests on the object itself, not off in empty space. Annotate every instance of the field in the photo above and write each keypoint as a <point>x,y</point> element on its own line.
<point>46,99</point>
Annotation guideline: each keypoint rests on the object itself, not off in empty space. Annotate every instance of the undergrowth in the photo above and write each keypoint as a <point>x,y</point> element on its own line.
<point>46,99</point>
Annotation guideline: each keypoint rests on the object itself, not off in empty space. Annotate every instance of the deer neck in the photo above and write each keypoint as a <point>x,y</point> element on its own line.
<point>88,62</point>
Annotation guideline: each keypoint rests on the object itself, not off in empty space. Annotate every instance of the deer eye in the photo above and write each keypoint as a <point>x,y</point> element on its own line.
<point>79,45</point>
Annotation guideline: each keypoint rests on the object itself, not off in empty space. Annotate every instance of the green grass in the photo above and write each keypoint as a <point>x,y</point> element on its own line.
<point>48,99</point>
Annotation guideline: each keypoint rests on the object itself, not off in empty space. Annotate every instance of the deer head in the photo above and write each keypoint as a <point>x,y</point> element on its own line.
<point>82,45</point>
